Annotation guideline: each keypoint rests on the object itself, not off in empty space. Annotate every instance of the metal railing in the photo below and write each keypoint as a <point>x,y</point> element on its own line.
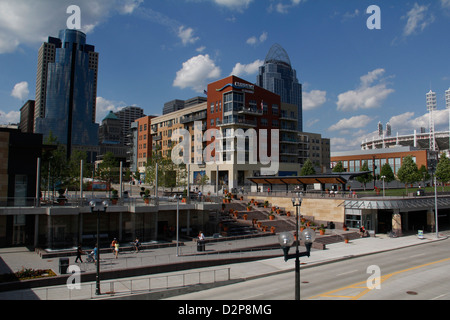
<point>130,286</point>
<point>76,201</point>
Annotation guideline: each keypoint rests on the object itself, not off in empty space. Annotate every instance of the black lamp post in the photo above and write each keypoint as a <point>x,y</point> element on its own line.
<point>286,240</point>
<point>98,207</point>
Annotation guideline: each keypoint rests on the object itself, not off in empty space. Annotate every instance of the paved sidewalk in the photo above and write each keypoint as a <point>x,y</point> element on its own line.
<point>15,258</point>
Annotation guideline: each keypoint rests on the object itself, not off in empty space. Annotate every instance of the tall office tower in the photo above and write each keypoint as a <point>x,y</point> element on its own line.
<point>278,76</point>
<point>173,106</point>
<point>127,116</point>
<point>66,91</point>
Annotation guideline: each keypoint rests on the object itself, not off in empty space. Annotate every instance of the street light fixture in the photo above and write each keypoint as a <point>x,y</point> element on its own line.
<point>383,177</point>
<point>98,207</point>
<point>286,239</point>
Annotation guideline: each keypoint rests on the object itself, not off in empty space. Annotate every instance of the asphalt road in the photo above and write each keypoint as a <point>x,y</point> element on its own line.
<point>419,272</point>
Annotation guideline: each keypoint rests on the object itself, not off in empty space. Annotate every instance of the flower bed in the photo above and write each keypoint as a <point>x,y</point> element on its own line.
<point>26,274</point>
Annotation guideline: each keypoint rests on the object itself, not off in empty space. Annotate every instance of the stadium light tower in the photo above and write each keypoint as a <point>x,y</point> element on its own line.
<point>431,106</point>
<point>447,105</point>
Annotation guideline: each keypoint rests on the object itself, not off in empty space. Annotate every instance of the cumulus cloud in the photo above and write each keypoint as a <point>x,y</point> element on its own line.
<point>314,99</point>
<point>283,7</point>
<point>418,18</point>
<point>187,35</point>
<point>12,117</point>
<point>196,72</point>
<point>351,123</point>
<point>31,22</point>
<point>407,122</point>
<point>104,106</point>
<point>240,70</point>
<point>238,5</point>
<point>257,40</point>
<point>368,95</point>
<point>20,91</point>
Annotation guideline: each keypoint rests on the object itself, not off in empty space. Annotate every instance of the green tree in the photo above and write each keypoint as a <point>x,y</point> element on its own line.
<point>54,164</point>
<point>387,172</point>
<point>73,168</point>
<point>108,168</point>
<point>408,172</point>
<point>307,169</point>
<point>365,178</point>
<point>424,174</point>
<point>443,170</point>
<point>203,180</point>
<point>339,167</point>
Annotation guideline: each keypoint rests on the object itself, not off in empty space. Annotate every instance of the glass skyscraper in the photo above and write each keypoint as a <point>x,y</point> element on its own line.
<point>66,90</point>
<point>278,76</point>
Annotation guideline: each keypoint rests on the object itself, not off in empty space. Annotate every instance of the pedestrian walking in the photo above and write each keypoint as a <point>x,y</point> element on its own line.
<point>79,253</point>
<point>137,244</point>
<point>116,249</point>
<point>113,245</point>
<point>96,254</point>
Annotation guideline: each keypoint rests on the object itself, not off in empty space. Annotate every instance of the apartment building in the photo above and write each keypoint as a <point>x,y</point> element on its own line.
<point>240,131</point>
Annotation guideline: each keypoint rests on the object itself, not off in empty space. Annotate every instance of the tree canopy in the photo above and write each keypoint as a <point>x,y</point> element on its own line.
<point>308,168</point>
<point>408,172</point>
<point>443,169</point>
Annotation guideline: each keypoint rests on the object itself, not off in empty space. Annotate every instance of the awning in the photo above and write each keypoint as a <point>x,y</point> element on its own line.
<point>418,203</point>
<point>331,178</point>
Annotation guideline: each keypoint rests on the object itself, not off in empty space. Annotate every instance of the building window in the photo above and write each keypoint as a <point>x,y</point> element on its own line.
<point>275,110</point>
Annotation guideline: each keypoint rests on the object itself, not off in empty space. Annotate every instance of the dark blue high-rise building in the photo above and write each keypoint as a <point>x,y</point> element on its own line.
<point>66,91</point>
<point>278,76</point>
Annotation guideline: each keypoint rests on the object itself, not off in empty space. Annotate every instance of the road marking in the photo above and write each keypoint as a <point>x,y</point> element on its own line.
<point>442,295</point>
<point>360,289</point>
<point>418,255</point>
<point>341,274</point>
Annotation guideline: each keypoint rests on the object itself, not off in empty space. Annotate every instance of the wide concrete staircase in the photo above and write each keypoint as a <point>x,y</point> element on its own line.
<point>236,220</point>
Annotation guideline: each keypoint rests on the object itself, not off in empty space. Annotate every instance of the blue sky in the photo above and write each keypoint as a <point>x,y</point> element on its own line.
<point>154,51</point>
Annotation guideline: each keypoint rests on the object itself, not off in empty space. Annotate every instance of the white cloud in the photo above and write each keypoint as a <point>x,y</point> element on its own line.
<point>366,96</point>
<point>314,99</point>
<point>104,106</point>
<point>351,15</point>
<point>255,40</point>
<point>31,22</point>
<point>20,91</point>
<point>187,35</point>
<point>351,123</point>
<point>343,144</point>
<point>238,5</point>
<point>418,19</point>
<point>200,49</point>
<point>240,70</point>
<point>129,6</point>
<point>196,72</point>
<point>407,122</point>
<point>11,117</point>
<point>284,8</point>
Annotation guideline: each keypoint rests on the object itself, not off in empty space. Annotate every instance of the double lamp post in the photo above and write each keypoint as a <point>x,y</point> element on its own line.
<point>97,206</point>
<point>286,240</point>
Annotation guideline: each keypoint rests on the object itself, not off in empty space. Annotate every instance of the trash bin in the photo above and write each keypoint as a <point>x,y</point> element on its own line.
<point>63,265</point>
<point>200,245</point>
